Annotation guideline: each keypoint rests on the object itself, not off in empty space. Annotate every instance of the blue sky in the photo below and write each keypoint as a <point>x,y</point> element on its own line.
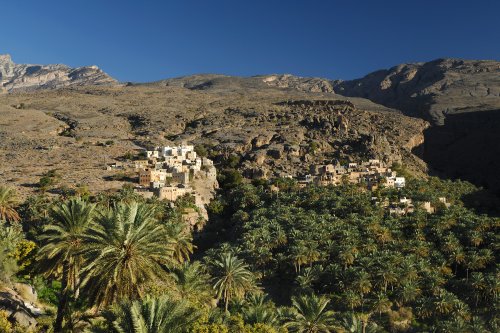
<point>148,40</point>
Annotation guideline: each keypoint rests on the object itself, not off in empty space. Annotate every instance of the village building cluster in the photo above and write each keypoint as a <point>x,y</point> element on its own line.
<point>373,173</point>
<point>406,205</point>
<point>170,172</point>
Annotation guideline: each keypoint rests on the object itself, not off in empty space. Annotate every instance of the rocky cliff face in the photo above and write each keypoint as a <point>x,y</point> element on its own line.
<point>273,131</point>
<point>431,90</point>
<point>21,77</point>
<point>299,83</point>
<point>461,98</point>
<point>277,124</point>
<point>225,83</point>
<point>20,303</point>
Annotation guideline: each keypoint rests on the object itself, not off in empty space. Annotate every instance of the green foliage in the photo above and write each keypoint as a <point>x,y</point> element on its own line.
<point>11,238</point>
<point>5,325</point>
<point>47,291</point>
<point>375,272</point>
<point>335,241</point>
<point>232,161</point>
<point>201,150</point>
<point>229,178</point>
<point>8,204</point>
<point>232,278</point>
<point>48,180</point>
<point>216,206</point>
<point>313,146</point>
<point>62,249</point>
<point>209,328</point>
<point>311,315</point>
<point>152,315</point>
<point>126,249</point>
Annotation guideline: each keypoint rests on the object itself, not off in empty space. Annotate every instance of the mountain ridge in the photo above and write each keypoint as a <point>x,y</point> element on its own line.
<point>28,77</point>
<point>460,98</point>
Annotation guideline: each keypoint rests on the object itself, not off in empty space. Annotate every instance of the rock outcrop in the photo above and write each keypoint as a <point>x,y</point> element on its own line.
<point>21,305</point>
<point>274,131</point>
<point>299,83</point>
<point>461,98</point>
<point>278,124</point>
<point>215,82</point>
<point>431,90</point>
<point>22,77</point>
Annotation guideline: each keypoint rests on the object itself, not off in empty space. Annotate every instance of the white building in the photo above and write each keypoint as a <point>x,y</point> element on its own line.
<point>399,182</point>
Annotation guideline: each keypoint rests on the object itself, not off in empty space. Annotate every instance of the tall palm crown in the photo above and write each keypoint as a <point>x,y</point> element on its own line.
<point>192,284</point>
<point>63,239</point>
<point>154,315</point>
<point>311,315</point>
<point>126,249</point>
<point>182,240</point>
<point>8,203</point>
<point>258,310</point>
<point>232,278</point>
<point>61,250</point>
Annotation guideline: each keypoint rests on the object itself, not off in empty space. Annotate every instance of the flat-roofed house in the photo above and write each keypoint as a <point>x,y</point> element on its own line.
<point>170,193</point>
<point>141,164</point>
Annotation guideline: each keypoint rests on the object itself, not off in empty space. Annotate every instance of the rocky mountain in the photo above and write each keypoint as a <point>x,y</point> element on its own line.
<point>431,90</point>
<point>278,124</point>
<point>461,98</point>
<point>226,83</point>
<point>22,77</point>
<point>274,131</point>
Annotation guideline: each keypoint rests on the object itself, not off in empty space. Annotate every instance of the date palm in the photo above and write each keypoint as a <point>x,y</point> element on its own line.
<point>358,323</point>
<point>232,277</point>
<point>192,284</point>
<point>126,249</point>
<point>8,204</point>
<point>311,315</point>
<point>182,241</point>
<point>258,310</point>
<point>61,250</point>
<point>153,315</point>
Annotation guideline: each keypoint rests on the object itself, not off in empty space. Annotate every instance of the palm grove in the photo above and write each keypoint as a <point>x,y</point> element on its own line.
<point>319,259</point>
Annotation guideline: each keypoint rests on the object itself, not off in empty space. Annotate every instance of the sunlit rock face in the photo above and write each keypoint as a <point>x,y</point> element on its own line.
<point>23,77</point>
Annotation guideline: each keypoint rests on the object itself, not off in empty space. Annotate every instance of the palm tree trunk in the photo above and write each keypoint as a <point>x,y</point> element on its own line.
<point>63,300</point>
<point>226,301</point>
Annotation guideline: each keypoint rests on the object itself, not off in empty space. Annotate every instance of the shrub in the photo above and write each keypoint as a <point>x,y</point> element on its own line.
<point>5,325</point>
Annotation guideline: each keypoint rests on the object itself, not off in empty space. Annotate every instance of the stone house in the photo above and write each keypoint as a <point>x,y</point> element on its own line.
<point>141,164</point>
<point>181,177</point>
<point>147,176</point>
<point>171,193</point>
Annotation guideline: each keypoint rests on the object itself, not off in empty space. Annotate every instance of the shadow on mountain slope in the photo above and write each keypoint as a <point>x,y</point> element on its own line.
<point>467,146</point>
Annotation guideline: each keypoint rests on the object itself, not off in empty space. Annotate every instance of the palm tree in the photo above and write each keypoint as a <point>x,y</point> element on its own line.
<point>352,298</point>
<point>311,315</point>
<point>126,250</point>
<point>232,278</point>
<point>307,278</point>
<point>8,203</point>
<point>257,310</point>
<point>299,256</point>
<point>444,302</point>
<point>62,245</point>
<point>358,323</point>
<point>153,315</point>
<point>407,292</point>
<point>478,284</point>
<point>182,241</point>
<point>192,284</point>
<point>381,303</point>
